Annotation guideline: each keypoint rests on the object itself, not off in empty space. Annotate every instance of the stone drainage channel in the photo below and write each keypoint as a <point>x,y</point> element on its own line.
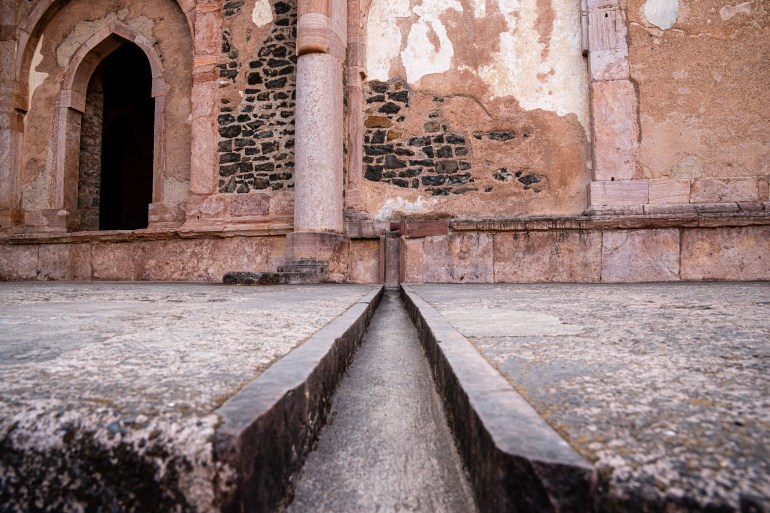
<point>386,445</point>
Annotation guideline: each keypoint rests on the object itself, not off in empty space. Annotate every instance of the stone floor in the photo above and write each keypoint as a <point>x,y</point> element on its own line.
<point>663,386</point>
<point>103,372</point>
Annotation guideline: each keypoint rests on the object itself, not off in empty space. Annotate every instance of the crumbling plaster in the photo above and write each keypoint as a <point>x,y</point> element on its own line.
<point>165,27</point>
<point>703,95</point>
<point>488,66</point>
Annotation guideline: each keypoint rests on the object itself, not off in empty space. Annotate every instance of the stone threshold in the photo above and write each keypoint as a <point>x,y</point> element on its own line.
<point>269,427</point>
<point>516,461</point>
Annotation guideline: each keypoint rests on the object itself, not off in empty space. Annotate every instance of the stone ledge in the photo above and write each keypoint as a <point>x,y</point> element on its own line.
<point>515,460</point>
<point>117,236</point>
<point>269,427</point>
<point>673,217</point>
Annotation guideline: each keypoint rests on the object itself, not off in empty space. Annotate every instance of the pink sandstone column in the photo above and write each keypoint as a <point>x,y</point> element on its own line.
<point>356,73</point>
<point>318,205</point>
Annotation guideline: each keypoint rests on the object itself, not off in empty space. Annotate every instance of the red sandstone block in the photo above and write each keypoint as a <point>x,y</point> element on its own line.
<point>726,253</point>
<point>725,190</point>
<point>616,129</point>
<point>624,193</point>
<point>669,192</point>
<point>640,255</point>
<point>552,256</point>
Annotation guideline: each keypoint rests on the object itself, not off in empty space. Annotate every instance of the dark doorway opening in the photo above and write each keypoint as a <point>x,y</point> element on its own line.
<point>127,140</point>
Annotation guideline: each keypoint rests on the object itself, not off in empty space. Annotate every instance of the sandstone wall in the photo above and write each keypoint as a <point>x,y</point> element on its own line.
<point>702,70</point>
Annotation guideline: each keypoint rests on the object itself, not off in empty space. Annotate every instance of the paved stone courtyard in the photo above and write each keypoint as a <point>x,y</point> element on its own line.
<point>664,387</point>
<point>132,373</point>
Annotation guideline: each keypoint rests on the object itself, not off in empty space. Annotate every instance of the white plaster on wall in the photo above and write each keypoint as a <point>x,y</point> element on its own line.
<point>395,207</point>
<point>383,38</point>
<point>729,11</point>
<point>262,13</point>
<point>36,78</point>
<point>661,13</point>
<point>421,57</point>
<point>558,83</point>
<point>556,80</point>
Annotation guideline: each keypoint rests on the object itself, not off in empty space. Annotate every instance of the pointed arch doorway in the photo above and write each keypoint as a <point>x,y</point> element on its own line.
<point>115,180</point>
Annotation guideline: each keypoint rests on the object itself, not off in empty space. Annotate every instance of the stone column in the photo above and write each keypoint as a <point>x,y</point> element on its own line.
<point>10,120</point>
<point>318,202</point>
<point>614,107</point>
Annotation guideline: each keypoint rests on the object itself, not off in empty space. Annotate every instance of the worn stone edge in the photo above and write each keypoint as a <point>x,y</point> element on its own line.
<point>515,460</point>
<point>268,427</point>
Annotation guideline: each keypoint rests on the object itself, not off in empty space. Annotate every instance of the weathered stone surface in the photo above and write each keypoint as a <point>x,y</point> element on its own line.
<point>560,256</point>
<point>365,261</point>
<point>18,263</point>
<point>71,262</point>
<point>78,397</point>
<point>640,255</point>
<point>722,190</point>
<point>735,254</point>
<point>503,441</point>
<point>461,257</point>
<point>669,192</point>
<point>625,193</point>
<point>663,386</point>
<point>616,130</point>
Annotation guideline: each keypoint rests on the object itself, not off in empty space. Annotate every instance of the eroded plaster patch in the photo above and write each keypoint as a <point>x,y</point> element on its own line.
<point>36,78</point>
<point>262,13</point>
<point>384,36</point>
<point>729,11</point>
<point>400,206</point>
<point>546,73</point>
<point>661,13</point>
<point>558,82</point>
<point>422,56</point>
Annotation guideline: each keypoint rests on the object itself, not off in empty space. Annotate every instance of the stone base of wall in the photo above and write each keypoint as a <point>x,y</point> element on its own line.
<point>591,249</point>
<point>171,255</point>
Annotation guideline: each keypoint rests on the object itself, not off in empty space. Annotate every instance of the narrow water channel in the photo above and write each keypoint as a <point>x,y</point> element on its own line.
<point>386,446</point>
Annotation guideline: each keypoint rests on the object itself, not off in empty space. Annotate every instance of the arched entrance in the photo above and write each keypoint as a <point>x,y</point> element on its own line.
<point>115,180</point>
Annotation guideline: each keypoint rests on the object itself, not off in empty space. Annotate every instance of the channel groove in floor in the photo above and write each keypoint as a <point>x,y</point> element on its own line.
<point>386,446</point>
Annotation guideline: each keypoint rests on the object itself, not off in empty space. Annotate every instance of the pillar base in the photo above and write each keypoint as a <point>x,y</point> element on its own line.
<point>318,254</point>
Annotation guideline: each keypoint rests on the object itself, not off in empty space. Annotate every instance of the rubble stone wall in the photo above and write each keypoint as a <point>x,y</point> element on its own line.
<point>256,131</point>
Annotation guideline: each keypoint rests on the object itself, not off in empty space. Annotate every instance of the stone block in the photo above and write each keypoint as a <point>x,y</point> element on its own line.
<point>726,253</point>
<point>365,261</point>
<point>18,263</point>
<point>471,257</point>
<point>640,256</point>
<point>616,129</point>
<point>58,262</point>
<point>669,192</point>
<point>251,205</point>
<point>625,193</point>
<point>725,190</point>
<point>412,260</point>
<point>117,262</point>
<point>436,264</point>
<point>547,256</point>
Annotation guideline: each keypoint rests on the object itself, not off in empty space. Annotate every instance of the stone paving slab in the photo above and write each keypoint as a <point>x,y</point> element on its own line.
<point>108,391</point>
<point>664,387</point>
